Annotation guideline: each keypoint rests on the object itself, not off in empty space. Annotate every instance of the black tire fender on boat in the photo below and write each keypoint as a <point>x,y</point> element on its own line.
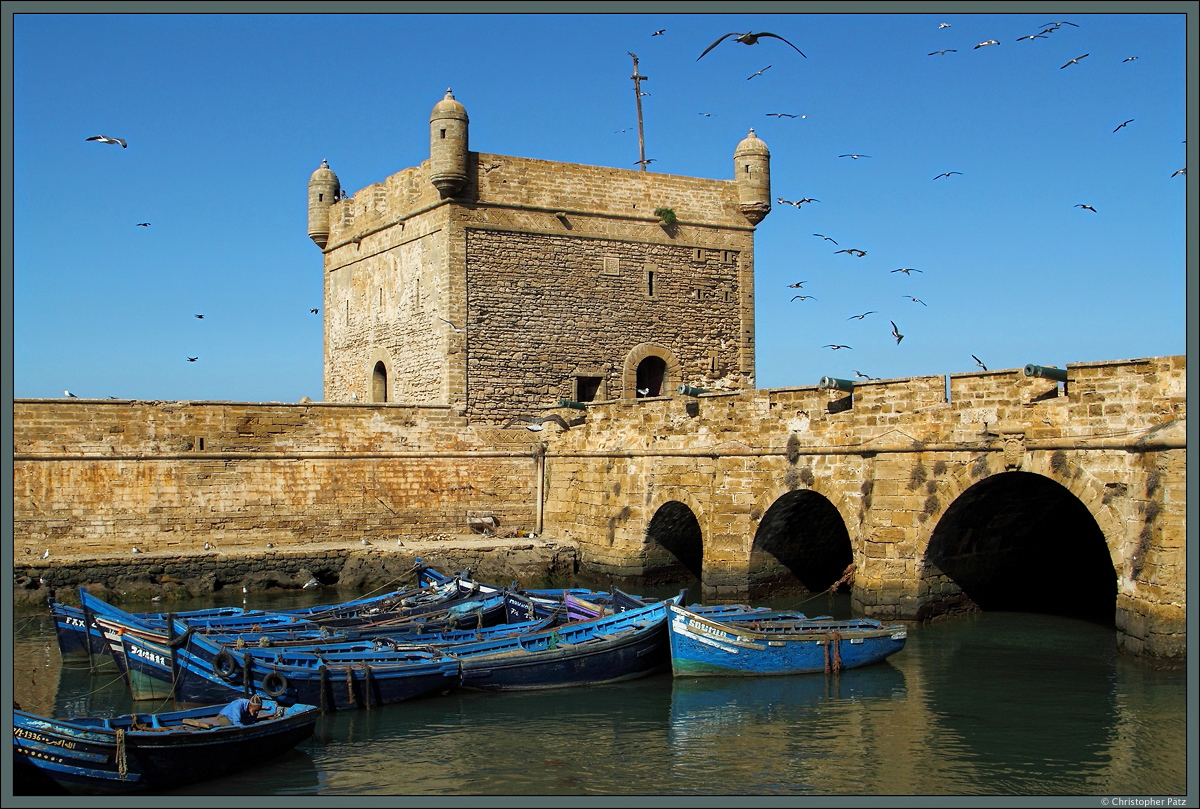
<point>225,665</point>
<point>274,684</point>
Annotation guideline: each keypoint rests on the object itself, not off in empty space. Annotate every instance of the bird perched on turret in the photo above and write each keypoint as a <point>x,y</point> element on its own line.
<point>748,38</point>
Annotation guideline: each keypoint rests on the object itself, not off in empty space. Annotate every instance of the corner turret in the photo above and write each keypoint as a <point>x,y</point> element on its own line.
<point>448,146</point>
<point>752,173</point>
<point>323,190</point>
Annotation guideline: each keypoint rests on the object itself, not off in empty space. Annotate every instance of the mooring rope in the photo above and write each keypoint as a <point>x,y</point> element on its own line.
<point>122,765</point>
<point>833,660</point>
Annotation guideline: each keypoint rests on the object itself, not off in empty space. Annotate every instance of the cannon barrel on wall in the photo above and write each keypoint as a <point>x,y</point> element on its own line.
<point>833,383</point>
<point>688,390</point>
<point>1046,372</point>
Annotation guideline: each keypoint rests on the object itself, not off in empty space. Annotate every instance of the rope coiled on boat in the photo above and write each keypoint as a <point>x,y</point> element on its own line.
<point>122,765</point>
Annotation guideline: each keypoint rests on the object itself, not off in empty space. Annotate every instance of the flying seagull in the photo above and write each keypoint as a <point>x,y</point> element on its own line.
<point>854,156</point>
<point>659,32</point>
<point>705,114</point>
<point>1182,171</point>
<point>1129,58</point>
<point>852,251</point>
<point>1086,207</point>
<point>946,174</point>
<point>645,162</point>
<point>986,43</point>
<point>1074,61</point>
<point>782,115</point>
<point>536,425</point>
<point>803,297</point>
<point>759,73</point>
<point>979,362</point>
<point>908,270</point>
<point>107,139</point>
<point>797,285</point>
<point>1059,24</point>
<point>748,38</point>
<point>314,311</point>
<point>896,332</point>
<point>915,300</point>
<point>455,329</point>
<point>943,53</point>
<point>826,238</point>
<point>860,317</point>
<point>783,201</point>
<point>943,25</point>
<point>861,375</point>
<point>1130,121</point>
<point>69,394</point>
<point>836,347</point>
<point>800,202</point>
<point>1032,37</point>
<point>143,224</point>
<point>200,317</point>
<point>192,359</point>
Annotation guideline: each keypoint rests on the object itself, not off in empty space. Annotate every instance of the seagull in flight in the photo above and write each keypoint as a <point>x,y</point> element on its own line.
<point>645,162</point>
<point>854,156</point>
<point>659,32</point>
<point>1129,58</point>
<point>861,375</point>
<point>1182,171</point>
<point>783,201</point>
<point>946,174</point>
<point>1074,61</point>
<point>836,347</point>
<point>800,202</point>
<point>143,224</point>
<point>943,25</point>
<point>803,297</point>
<point>797,285</point>
<point>1130,121</point>
<point>896,332</point>
<point>200,317</point>
<point>943,52</point>
<point>314,311</point>
<point>860,317</point>
<point>748,38</point>
<point>1059,24</point>
<point>852,251</point>
<point>536,425</point>
<point>979,362</point>
<point>783,114</point>
<point>107,139</point>
<point>826,238</point>
<point>705,114</point>
<point>192,359</point>
<point>455,329</point>
<point>1032,37</point>
<point>1086,207</point>
<point>986,43</point>
<point>759,73</point>
<point>915,300</point>
<point>68,394</point>
<point>908,270</point>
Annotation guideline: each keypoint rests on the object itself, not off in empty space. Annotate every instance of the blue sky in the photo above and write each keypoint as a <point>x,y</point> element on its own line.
<point>226,116</point>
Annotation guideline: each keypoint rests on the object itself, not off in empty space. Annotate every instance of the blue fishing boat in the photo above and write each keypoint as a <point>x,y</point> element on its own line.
<point>622,646</point>
<point>139,752</point>
<point>710,646</point>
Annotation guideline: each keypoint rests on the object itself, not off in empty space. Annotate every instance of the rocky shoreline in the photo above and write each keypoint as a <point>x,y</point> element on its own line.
<point>532,561</point>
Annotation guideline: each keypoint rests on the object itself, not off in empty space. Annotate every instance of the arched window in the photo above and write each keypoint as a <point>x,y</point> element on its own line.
<point>650,375</point>
<point>379,383</point>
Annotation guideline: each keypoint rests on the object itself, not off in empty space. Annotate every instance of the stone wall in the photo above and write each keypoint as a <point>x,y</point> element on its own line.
<point>96,476</point>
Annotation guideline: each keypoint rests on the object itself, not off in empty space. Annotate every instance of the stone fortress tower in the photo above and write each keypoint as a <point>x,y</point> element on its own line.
<point>501,285</point>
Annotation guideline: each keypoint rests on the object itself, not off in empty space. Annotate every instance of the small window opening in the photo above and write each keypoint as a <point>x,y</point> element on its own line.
<point>379,383</point>
<point>650,283</point>
<point>443,133</point>
<point>320,197</point>
<point>587,388</point>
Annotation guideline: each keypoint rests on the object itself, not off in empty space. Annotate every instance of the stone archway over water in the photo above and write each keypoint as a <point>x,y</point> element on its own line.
<point>674,545</point>
<point>1022,542</point>
<point>801,542</point>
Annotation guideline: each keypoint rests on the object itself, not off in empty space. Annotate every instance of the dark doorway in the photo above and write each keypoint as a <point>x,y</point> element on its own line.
<point>675,545</point>
<point>651,374</point>
<point>379,383</point>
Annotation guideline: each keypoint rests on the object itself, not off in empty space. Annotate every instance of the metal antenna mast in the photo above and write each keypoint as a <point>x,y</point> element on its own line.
<point>637,92</point>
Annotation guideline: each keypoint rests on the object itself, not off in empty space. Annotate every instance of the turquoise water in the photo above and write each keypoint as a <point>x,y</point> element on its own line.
<point>999,703</point>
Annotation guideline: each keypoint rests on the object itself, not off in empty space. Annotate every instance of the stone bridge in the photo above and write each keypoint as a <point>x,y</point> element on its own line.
<point>996,490</point>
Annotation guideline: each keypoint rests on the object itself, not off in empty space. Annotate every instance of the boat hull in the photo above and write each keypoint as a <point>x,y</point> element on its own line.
<point>705,648</point>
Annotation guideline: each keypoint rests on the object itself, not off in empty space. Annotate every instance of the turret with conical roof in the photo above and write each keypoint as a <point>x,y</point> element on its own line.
<point>323,190</point>
<point>752,173</point>
<point>448,146</point>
